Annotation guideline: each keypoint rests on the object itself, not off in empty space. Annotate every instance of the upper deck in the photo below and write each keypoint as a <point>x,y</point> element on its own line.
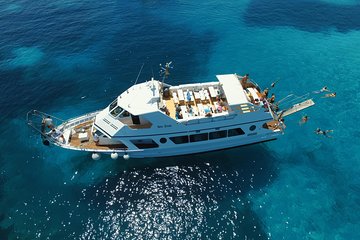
<point>193,101</point>
<point>144,105</point>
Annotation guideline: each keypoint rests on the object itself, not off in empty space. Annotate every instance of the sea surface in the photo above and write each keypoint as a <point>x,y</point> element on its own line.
<point>71,57</point>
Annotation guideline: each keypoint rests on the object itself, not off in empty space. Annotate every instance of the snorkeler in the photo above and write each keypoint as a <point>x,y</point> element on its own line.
<point>330,95</point>
<point>323,132</point>
<point>323,89</point>
<point>303,120</point>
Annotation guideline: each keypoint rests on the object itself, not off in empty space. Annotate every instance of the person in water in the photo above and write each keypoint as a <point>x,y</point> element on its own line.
<point>323,89</point>
<point>330,95</point>
<point>323,132</point>
<point>303,120</point>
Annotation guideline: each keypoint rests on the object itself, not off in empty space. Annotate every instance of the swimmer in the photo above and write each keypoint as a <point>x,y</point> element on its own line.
<point>330,95</point>
<point>323,89</point>
<point>323,132</point>
<point>303,120</point>
<point>273,84</point>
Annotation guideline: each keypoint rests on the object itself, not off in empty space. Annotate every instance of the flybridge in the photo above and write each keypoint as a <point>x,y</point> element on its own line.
<point>141,98</point>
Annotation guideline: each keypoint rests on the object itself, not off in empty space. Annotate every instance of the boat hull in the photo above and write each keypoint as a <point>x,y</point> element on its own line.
<point>188,148</point>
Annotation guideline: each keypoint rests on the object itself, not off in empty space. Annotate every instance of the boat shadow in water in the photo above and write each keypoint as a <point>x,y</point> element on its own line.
<point>311,16</point>
<point>188,193</point>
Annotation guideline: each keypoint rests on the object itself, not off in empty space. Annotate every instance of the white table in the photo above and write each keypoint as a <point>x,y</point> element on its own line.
<point>197,95</point>
<point>213,92</point>
<point>180,94</point>
<point>83,137</point>
<point>175,98</point>
<point>202,95</point>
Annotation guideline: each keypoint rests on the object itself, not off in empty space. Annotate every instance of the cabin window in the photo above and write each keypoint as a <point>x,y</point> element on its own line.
<point>199,137</point>
<point>116,111</point>
<point>144,143</point>
<point>124,114</point>
<point>218,134</point>
<point>252,127</point>
<point>163,140</point>
<point>113,105</point>
<point>235,132</point>
<point>180,139</point>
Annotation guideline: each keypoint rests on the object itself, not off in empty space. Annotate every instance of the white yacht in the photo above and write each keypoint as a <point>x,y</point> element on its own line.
<point>155,119</point>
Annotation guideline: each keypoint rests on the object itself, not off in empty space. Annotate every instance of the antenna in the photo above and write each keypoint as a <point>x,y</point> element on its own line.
<point>137,78</point>
<point>165,71</point>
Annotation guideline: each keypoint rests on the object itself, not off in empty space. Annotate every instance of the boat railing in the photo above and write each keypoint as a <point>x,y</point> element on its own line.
<point>41,115</point>
<point>291,99</point>
<point>34,119</point>
<point>250,83</point>
<point>78,120</point>
<point>208,119</point>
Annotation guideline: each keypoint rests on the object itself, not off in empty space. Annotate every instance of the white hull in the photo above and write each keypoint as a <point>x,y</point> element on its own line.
<point>186,149</point>
<point>171,149</point>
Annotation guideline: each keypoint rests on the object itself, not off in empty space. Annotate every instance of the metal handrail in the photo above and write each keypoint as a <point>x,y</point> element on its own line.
<point>40,114</point>
<point>294,99</point>
<point>69,123</point>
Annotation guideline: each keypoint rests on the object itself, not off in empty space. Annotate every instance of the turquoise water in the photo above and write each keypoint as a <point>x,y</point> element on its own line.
<point>68,58</point>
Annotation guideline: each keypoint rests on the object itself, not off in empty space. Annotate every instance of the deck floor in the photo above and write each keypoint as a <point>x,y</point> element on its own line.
<point>171,106</point>
<point>272,125</point>
<point>90,144</point>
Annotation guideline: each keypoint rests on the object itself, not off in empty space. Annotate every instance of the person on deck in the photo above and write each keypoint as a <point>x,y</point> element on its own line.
<point>48,122</point>
<point>272,99</point>
<point>189,109</point>
<point>96,139</point>
<point>178,115</point>
<point>244,80</point>
<point>57,134</point>
<point>264,94</point>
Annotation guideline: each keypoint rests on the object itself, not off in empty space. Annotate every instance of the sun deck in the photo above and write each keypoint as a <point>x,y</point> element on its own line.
<point>195,101</point>
<point>76,140</point>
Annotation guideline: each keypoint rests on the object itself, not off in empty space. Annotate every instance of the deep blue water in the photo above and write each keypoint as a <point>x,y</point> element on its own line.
<point>71,57</point>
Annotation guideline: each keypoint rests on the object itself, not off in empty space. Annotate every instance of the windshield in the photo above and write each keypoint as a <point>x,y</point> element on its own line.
<point>113,105</point>
<point>116,111</point>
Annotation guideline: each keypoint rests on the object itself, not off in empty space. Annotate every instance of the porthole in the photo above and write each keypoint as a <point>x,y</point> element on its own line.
<point>252,128</point>
<point>163,140</point>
